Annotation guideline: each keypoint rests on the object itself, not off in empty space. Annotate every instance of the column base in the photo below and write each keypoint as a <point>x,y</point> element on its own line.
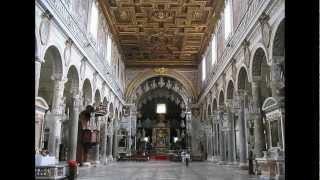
<point>278,177</point>
<point>215,159</point>
<point>210,158</point>
<point>86,164</point>
<point>235,163</point>
<point>222,162</point>
<point>243,166</point>
<point>110,158</point>
<point>95,163</point>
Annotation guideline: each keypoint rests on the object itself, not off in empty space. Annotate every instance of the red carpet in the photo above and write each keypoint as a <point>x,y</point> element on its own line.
<point>159,157</point>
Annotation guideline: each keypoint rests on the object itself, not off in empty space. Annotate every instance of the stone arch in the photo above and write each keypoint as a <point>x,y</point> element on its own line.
<point>261,69</point>
<point>230,90</point>
<point>277,36</point>
<point>105,101</point>
<point>242,69</point>
<point>97,98</point>
<point>259,63</point>
<point>116,114</point>
<point>170,94</point>
<point>243,81</point>
<point>50,47</point>
<point>209,110</point>
<point>52,54</point>
<point>214,105</point>
<point>221,99</point>
<point>143,76</point>
<point>111,110</point>
<point>71,86</point>
<point>73,77</point>
<point>51,69</point>
<point>86,93</point>
<point>172,90</point>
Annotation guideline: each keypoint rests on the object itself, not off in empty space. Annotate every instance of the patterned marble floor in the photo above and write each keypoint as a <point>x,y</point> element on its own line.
<point>162,170</point>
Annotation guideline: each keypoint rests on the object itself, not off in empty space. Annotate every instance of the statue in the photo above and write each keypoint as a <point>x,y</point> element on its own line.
<point>146,87</point>
<point>161,82</point>
<point>169,85</point>
<point>176,87</point>
<point>153,85</point>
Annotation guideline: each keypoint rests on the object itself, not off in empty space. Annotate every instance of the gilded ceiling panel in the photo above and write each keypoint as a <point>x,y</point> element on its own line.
<point>162,32</point>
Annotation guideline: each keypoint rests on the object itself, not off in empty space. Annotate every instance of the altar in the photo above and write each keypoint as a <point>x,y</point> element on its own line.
<point>161,134</point>
<point>161,137</point>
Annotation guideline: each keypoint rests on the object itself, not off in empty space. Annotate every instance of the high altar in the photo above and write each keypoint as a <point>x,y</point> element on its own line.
<point>161,134</point>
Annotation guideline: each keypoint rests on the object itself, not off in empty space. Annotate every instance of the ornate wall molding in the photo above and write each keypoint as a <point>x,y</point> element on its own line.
<point>255,9</point>
<point>68,23</point>
<point>143,76</point>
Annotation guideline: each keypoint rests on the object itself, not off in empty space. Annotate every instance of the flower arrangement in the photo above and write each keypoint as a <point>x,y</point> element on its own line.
<point>72,163</point>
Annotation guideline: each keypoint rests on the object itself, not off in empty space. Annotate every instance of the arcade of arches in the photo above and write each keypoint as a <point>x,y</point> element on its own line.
<point>150,80</point>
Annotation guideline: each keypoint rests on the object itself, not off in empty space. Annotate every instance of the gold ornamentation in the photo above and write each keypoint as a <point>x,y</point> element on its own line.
<point>161,70</point>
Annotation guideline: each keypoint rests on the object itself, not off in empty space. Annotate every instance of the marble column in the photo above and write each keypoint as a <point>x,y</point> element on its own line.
<point>111,143</point>
<point>115,143</point>
<point>56,112</point>
<point>37,69</point>
<point>242,131</point>
<point>74,116</point>
<point>213,139</point>
<point>225,132</point>
<point>231,151</point>
<point>222,138</point>
<point>104,142</point>
<point>259,139</point>
<point>216,151</point>
<point>97,151</point>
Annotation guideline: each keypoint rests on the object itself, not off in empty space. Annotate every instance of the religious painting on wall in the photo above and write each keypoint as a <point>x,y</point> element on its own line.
<point>162,137</point>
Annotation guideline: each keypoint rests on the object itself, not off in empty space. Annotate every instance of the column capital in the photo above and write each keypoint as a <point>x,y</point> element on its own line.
<point>38,60</point>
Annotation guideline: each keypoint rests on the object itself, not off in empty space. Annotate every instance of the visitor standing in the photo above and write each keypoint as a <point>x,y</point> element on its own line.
<point>187,158</point>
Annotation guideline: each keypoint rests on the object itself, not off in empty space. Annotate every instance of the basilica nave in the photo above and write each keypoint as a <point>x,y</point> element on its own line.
<point>159,89</point>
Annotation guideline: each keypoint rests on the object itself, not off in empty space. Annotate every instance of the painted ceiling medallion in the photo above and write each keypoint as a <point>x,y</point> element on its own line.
<point>161,15</point>
<point>185,26</point>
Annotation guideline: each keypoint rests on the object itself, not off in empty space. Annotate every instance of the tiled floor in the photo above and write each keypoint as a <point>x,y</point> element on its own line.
<point>162,170</point>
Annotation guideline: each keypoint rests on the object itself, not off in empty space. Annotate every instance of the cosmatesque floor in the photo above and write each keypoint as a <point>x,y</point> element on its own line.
<point>163,170</point>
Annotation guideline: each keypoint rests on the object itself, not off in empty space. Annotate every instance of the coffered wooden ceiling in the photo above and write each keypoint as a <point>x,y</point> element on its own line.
<point>170,33</point>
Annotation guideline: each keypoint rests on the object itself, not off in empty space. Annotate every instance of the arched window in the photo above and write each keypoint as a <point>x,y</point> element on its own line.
<point>227,19</point>
<point>204,68</point>
<point>109,49</point>
<point>214,50</point>
<point>94,20</point>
